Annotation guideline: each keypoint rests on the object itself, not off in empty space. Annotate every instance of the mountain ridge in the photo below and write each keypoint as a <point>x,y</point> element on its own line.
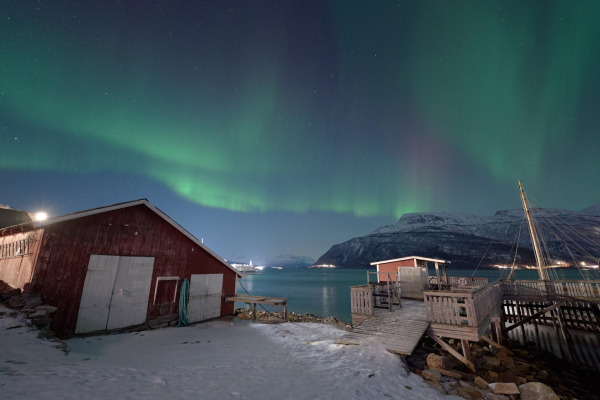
<point>464,238</point>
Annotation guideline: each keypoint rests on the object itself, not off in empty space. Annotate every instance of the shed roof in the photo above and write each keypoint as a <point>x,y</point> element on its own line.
<point>112,207</point>
<point>437,260</point>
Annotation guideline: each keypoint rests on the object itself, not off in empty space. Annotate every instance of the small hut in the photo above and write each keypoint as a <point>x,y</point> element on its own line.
<point>413,275</point>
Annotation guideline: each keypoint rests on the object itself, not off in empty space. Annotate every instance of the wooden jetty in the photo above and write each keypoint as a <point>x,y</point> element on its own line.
<point>470,313</point>
<point>399,330</point>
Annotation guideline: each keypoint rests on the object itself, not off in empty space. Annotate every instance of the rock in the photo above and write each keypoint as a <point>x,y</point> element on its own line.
<point>448,373</point>
<point>448,386</point>
<point>11,293</point>
<point>492,396</point>
<point>49,309</point>
<point>522,367</point>
<point>38,314</point>
<point>493,376</point>
<point>464,375</point>
<point>435,361</point>
<point>521,380</point>
<point>509,377</point>
<point>491,360</point>
<point>33,303</point>
<point>462,390</point>
<point>436,386</point>
<point>41,321</point>
<point>537,391</point>
<point>431,375</point>
<point>16,302</point>
<point>481,383</point>
<point>542,375</point>
<point>504,388</point>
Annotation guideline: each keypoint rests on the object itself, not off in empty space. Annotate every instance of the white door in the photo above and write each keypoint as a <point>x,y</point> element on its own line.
<point>97,291</point>
<point>131,291</point>
<point>205,297</point>
<point>115,293</point>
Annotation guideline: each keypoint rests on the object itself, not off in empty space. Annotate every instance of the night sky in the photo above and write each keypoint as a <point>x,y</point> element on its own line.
<point>285,127</point>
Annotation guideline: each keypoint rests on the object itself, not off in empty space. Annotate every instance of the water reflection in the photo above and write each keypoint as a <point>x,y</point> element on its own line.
<point>584,346</point>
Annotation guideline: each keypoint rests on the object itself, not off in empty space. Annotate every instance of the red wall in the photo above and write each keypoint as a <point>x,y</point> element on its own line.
<point>393,267</point>
<point>66,248</point>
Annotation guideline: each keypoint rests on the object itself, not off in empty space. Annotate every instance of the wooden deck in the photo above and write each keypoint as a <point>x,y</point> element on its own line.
<point>398,331</point>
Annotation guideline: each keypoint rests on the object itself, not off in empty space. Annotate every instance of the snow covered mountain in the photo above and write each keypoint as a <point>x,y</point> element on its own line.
<point>284,260</point>
<point>290,260</point>
<point>464,238</point>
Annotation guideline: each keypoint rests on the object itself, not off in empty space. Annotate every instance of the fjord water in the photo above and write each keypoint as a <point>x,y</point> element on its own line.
<point>326,292</point>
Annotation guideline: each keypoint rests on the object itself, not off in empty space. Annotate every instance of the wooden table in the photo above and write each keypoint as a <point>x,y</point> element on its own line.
<point>252,301</point>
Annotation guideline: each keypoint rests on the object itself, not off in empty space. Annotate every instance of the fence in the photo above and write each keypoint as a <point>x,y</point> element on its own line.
<point>361,300</point>
<point>472,309</point>
<point>550,290</point>
<point>458,281</point>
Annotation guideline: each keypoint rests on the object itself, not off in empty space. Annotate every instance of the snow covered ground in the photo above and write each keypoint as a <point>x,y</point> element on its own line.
<point>220,359</point>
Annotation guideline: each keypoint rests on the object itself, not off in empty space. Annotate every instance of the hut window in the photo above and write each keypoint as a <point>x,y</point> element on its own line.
<point>17,248</point>
<point>166,289</point>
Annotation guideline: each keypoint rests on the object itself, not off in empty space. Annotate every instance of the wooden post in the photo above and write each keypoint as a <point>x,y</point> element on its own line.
<point>254,311</point>
<point>445,274</point>
<point>450,350</point>
<point>437,274</point>
<point>390,298</point>
<point>561,323</point>
<point>521,319</point>
<point>285,311</point>
<point>466,350</point>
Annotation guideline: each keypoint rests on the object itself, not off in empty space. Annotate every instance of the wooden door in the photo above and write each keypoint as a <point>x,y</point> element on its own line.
<point>97,291</point>
<point>205,297</point>
<point>115,293</point>
<point>131,292</point>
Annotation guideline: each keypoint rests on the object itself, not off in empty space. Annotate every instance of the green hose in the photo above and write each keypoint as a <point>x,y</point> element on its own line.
<point>183,303</point>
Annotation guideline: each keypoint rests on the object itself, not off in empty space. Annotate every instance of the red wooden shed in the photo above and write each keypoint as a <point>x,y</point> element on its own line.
<point>115,266</point>
<point>412,273</point>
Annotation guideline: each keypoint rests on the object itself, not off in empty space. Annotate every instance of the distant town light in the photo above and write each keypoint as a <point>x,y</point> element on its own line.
<point>41,216</point>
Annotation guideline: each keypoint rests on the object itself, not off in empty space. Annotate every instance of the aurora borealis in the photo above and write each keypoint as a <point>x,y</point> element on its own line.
<point>309,121</point>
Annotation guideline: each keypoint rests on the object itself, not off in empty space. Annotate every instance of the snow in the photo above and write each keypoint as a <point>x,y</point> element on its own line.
<point>218,359</point>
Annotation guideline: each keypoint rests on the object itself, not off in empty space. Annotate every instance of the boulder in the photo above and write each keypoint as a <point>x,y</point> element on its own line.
<point>504,388</point>
<point>537,391</point>
<point>509,377</point>
<point>448,373</point>
<point>436,386</point>
<point>38,314</point>
<point>462,390</point>
<point>16,302</point>
<point>41,321</point>
<point>11,293</point>
<point>50,309</point>
<point>481,383</point>
<point>33,303</point>
<point>522,367</point>
<point>431,375</point>
<point>542,375</point>
<point>435,361</point>
<point>492,396</point>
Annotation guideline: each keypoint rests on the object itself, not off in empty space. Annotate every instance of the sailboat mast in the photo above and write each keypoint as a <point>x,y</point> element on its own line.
<point>537,248</point>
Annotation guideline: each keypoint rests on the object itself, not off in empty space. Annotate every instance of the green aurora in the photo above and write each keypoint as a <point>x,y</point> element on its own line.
<point>381,109</point>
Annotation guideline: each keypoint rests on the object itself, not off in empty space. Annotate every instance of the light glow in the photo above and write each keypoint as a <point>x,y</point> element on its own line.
<point>41,216</point>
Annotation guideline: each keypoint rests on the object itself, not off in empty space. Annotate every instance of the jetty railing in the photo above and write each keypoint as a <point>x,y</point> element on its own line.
<point>362,300</point>
<point>471,309</point>
<point>550,289</point>
<point>458,281</point>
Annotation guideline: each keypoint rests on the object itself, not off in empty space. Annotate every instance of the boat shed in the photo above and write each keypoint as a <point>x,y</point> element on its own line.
<point>115,267</point>
<point>413,275</point>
